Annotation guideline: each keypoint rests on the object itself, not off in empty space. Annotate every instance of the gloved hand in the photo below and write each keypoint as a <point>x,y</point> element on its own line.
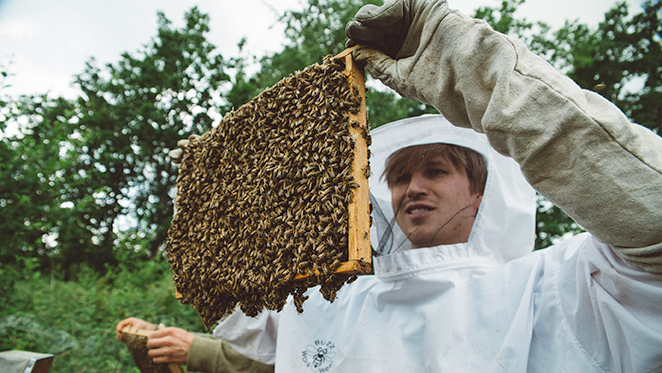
<point>396,46</point>
<point>176,154</point>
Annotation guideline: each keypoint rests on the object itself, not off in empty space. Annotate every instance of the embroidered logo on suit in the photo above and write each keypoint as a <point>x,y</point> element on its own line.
<point>318,356</point>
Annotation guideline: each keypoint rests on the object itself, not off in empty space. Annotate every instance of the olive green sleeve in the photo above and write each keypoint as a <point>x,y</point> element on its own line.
<point>212,355</point>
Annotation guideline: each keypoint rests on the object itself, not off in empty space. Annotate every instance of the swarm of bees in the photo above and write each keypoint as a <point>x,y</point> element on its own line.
<point>262,198</point>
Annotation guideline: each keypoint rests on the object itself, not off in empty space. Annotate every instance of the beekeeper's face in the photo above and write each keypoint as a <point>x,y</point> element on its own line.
<point>433,204</point>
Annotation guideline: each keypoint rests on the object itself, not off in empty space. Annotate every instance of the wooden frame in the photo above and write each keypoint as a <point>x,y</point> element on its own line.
<point>173,368</point>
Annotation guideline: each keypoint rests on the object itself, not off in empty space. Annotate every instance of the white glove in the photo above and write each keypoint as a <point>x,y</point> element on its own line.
<point>395,39</point>
<point>176,154</point>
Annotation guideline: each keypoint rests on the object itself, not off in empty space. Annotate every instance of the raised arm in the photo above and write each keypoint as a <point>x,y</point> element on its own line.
<point>575,147</point>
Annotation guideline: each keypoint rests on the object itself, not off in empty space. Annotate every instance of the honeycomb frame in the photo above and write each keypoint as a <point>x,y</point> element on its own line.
<point>235,178</point>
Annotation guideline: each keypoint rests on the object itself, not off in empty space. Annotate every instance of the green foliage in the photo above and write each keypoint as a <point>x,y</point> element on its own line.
<point>503,19</point>
<point>132,113</point>
<point>75,320</point>
<point>33,182</point>
<point>78,169</point>
<point>624,51</point>
<point>552,224</point>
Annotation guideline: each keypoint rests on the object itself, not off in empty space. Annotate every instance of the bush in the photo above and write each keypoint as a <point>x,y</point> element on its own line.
<point>76,320</point>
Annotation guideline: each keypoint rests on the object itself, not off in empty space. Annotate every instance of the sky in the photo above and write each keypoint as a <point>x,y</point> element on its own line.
<point>44,43</point>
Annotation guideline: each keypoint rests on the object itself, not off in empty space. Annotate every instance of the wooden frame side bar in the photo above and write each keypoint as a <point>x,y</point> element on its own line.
<point>358,238</point>
<point>359,250</point>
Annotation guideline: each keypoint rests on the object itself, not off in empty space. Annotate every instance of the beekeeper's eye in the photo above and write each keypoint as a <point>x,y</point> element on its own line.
<point>434,172</point>
<point>402,179</point>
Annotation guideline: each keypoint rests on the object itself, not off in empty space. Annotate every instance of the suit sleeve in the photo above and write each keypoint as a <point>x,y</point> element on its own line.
<point>212,355</point>
<point>574,146</point>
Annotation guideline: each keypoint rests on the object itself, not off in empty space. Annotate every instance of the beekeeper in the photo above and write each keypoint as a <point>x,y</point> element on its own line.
<point>590,303</point>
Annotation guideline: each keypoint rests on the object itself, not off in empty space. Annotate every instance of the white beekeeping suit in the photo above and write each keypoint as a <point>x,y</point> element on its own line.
<point>592,303</point>
<point>485,305</point>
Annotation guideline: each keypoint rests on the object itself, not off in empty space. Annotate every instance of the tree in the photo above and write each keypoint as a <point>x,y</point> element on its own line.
<point>620,60</point>
<point>132,113</point>
<point>33,168</point>
<point>107,160</point>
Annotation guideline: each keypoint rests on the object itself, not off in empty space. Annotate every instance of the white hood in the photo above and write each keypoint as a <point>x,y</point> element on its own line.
<point>504,228</point>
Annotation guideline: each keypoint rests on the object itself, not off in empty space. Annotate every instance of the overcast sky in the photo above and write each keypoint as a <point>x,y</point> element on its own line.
<point>45,43</point>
